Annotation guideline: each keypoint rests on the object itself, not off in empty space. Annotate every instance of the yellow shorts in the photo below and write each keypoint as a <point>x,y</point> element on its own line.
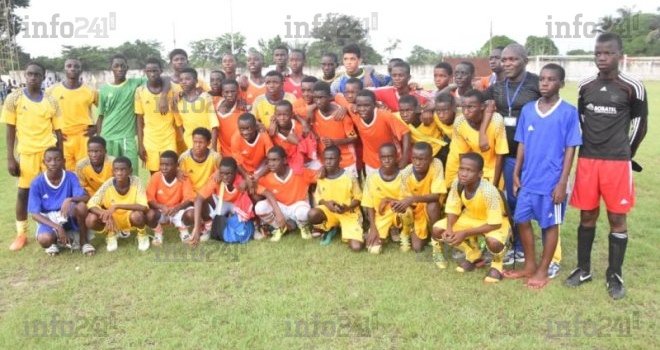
<point>420,221</point>
<point>122,220</point>
<point>464,223</point>
<point>153,156</point>
<point>75,149</point>
<point>31,165</point>
<point>389,219</point>
<point>350,223</point>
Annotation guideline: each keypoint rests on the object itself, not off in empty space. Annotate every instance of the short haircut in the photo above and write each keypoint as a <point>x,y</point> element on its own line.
<point>423,146</point>
<point>219,72</point>
<point>54,149</point>
<point>274,74</point>
<point>229,162</point>
<point>118,56</point>
<point>387,145</point>
<point>309,79</point>
<point>178,52</point>
<point>322,86</point>
<point>469,65</point>
<point>352,48</point>
<point>191,71</point>
<point>169,154</point>
<point>605,37</point>
<point>97,140</point>
<point>356,81</point>
<point>122,160</point>
<point>34,63</point>
<point>229,82</point>
<point>331,55</point>
<point>476,93</point>
<point>281,47</point>
<point>557,68</point>
<point>248,117</point>
<point>367,93</point>
<point>396,60</point>
<point>284,103</point>
<point>154,60</point>
<point>256,53</point>
<point>279,151</point>
<point>445,97</point>
<point>499,47</point>
<point>409,99</point>
<point>301,52</point>
<point>446,66</point>
<point>476,157</point>
<point>334,149</point>
<point>403,65</point>
<point>204,132</point>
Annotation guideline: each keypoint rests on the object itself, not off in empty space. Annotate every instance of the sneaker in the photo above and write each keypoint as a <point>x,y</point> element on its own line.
<point>509,258</point>
<point>615,286</point>
<point>185,237</point>
<point>577,278</point>
<point>111,243</point>
<point>306,232</point>
<point>405,243</point>
<point>52,250</point>
<point>205,236</point>
<point>519,256</point>
<point>158,240</point>
<point>123,234</point>
<point>375,249</point>
<point>19,242</point>
<point>143,243</point>
<point>440,261</point>
<point>277,235</point>
<point>553,270</point>
<point>328,236</point>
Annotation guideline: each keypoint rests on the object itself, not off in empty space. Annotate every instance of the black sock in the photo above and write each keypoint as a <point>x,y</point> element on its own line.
<point>585,240</point>
<point>617,253</point>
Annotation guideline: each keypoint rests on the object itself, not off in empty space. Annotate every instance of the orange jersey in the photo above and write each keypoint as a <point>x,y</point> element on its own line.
<point>384,128</point>
<point>253,90</point>
<point>327,127</point>
<point>293,188</point>
<point>250,155</point>
<point>281,140</point>
<point>227,128</point>
<point>300,108</point>
<point>169,194</point>
<point>213,188</point>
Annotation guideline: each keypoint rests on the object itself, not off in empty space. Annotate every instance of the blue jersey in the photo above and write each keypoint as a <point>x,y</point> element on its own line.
<point>339,85</point>
<point>44,197</point>
<point>545,138</point>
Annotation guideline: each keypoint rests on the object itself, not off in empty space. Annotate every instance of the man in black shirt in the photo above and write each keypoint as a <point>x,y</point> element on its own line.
<point>614,111</point>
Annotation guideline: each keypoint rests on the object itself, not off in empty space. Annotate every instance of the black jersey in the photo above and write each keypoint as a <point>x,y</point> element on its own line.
<point>613,116</point>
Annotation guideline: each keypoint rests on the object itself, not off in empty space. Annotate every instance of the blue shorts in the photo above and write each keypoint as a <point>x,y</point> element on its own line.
<point>539,207</point>
<point>69,225</point>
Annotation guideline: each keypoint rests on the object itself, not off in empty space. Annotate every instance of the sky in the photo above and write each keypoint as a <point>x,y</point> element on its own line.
<point>457,27</point>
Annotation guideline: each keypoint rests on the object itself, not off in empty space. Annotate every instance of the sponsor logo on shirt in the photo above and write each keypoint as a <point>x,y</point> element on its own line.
<point>530,128</point>
<point>601,109</point>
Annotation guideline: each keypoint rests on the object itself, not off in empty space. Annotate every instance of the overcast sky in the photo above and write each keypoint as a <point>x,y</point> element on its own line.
<point>457,26</point>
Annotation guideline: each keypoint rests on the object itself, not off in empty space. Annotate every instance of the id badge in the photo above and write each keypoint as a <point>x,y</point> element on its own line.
<point>510,121</point>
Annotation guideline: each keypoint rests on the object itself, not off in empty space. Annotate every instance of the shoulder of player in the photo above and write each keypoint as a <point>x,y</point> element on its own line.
<point>135,181</point>
<point>82,164</point>
<point>259,99</point>
<point>488,189</point>
<point>636,84</point>
<point>587,81</point>
<point>185,155</point>
<point>104,187</point>
<point>290,97</point>
<point>406,172</point>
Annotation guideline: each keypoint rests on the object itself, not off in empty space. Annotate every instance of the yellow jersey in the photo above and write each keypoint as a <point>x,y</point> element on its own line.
<point>343,189</point>
<point>485,205</point>
<point>466,139</point>
<point>433,182</point>
<point>264,109</point>
<point>159,130</point>
<point>35,121</point>
<point>376,189</point>
<point>199,113</point>
<point>199,171</point>
<point>90,179</point>
<point>108,196</point>
<point>75,106</point>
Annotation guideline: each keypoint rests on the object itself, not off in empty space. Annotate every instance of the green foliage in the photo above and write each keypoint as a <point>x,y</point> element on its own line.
<point>267,46</point>
<point>422,56</point>
<point>207,53</point>
<point>537,45</point>
<point>497,40</point>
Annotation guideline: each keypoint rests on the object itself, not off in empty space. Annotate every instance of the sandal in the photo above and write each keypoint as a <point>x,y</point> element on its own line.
<point>466,266</point>
<point>88,249</point>
<point>493,276</point>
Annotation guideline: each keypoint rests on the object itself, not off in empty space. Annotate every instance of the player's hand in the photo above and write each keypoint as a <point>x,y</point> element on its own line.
<point>402,205</point>
<point>373,238</point>
<point>559,193</point>
<point>168,211</point>
<point>383,205</point>
<point>457,238</point>
<point>333,206</point>
<point>403,163</point>
<point>280,220</point>
<point>483,142</point>
<point>111,225</point>
<point>181,175</point>
<point>306,128</point>
<point>381,105</point>
<point>261,127</point>
<point>66,208</point>
<point>13,167</point>
<point>339,114</point>
<point>164,105</point>
<point>194,239</point>
<point>437,235</point>
<point>142,153</point>
<point>106,215</point>
<point>414,86</point>
<point>427,116</point>
<point>216,177</point>
<point>327,142</point>
<point>61,235</point>
<point>452,86</point>
<point>91,131</point>
<point>516,185</point>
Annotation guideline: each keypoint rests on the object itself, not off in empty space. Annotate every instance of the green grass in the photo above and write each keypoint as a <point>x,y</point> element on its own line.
<point>251,303</point>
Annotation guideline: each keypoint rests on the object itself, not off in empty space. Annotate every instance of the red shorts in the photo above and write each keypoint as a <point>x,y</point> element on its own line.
<point>611,179</point>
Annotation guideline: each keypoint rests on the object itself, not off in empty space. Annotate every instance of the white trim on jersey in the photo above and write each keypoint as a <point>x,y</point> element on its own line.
<point>639,87</point>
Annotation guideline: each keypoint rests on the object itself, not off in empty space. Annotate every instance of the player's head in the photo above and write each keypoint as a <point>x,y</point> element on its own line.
<point>391,64</point>
<point>296,60</point>
<point>54,159</point>
<point>228,169</point>
<point>422,155</point>
<point>331,158</point>
<point>387,156</point>
<point>608,51</point>
<point>321,95</point>
<point>274,82</point>
<point>178,59</point>
<point>409,109</point>
<point>247,126</point>
<point>443,74</point>
<point>201,140</point>
<point>119,66</point>
<point>229,90</point>
<point>329,63</point>
<point>229,63</point>
<point>400,74</point>
<point>551,79</point>
<point>471,168</point>
<point>72,68</point>
<point>351,88</point>
<point>96,150</point>
<point>307,87</point>
<point>188,78</point>
<point>474,105</point>
<point>495,59</point>
<point>215,80</point>
<point>365,102</point>
<point>463,74</point>
<point>283,113</point>
<point>122,169</point>
<point>276,159</point>
<point>514,60</point>
<point>153,69</point>
<point>351,58</point>
<point>255,61</point>
<point>169,163</point>
<point>445,107</point>
<point>34,75</point>
<point>281,55</point>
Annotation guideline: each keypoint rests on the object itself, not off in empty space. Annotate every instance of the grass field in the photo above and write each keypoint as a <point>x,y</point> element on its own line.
<point>252,297</point>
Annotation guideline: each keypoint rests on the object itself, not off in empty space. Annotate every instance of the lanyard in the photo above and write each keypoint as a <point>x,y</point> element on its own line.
<point>515,94</point>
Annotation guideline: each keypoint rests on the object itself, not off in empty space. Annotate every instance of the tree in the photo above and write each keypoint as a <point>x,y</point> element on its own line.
<point>422,56</point>
<point>93,58</point>
<point>537,45</point>
<point>393,44</point>
<point>579,52</point>
<point>207,53</point>
<point>338,30</point>
<point>138,52</point>
<point>266,47</point>
<point>498,40</point>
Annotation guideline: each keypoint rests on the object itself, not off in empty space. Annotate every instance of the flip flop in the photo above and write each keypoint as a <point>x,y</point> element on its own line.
<point>537,285</point>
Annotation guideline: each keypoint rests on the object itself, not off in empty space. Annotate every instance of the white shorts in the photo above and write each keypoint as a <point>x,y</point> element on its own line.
<point>296,211</point>
<point>226,208</point>
<point>176,220</point>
